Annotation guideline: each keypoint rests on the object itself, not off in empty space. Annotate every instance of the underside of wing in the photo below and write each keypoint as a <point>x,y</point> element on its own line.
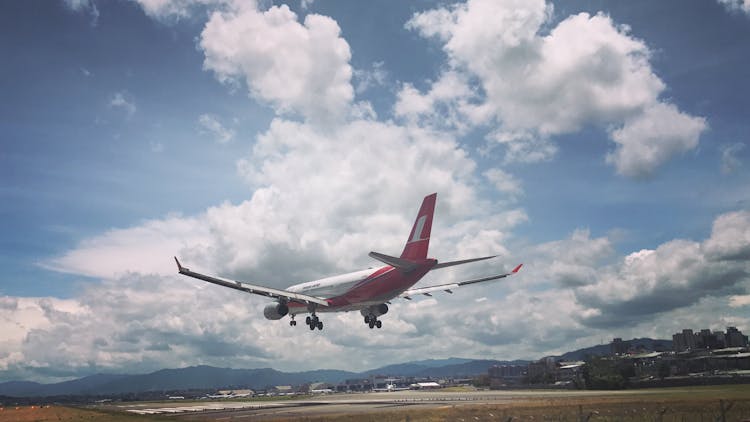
<point>254,289</point>
<point>448,288</point>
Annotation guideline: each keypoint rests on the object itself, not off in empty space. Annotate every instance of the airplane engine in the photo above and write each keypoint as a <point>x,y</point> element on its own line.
<point>376,310</point>
<point>275,310</point>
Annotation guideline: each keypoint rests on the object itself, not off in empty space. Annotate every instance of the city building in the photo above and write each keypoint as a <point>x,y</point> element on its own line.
<point>687,340</point>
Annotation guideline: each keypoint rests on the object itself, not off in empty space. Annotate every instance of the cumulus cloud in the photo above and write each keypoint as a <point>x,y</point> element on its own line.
<point>306,219</point>
<point>503,181</point>
<point>451,103</point>
<point>306,216</point>
<point>571,293</point>
<point>736,5</point>
<point>677,274</point>
<point>212,126</point>
<point>298,68</point>
<point>585,71</point>
<point>648,140</point>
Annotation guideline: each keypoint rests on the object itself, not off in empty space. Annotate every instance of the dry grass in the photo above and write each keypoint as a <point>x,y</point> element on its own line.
<point>555,410</point>
<point>667,405</point>
<point>61,413</point>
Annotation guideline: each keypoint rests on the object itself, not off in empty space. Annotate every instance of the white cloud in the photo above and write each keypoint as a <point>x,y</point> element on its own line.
<point>84,6</point>
<point>122,100</point>
<point>651,138</point>
<point>211,125</point>
<point>145,249</point>
<point>570,294</point>
<point>729,160</point>
<point>739,301</point>
<point>586,71</point>
<point>503,181</point>
<point>370,78</point>
<point>451,103</point>
<point>178,9</point>
<point>736,5</point>
<point>730,237</point>
<point>298,68</point>
<point>677,274</point>
<point>306,218</point>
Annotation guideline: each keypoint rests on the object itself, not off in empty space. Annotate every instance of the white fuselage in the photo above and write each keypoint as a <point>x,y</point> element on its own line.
<point>333,286</point>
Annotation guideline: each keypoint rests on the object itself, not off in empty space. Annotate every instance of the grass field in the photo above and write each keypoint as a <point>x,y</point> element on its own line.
<point>62,413</point>
<point>671,404</point>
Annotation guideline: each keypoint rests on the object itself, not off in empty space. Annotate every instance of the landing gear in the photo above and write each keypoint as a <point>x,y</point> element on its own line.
<point>372,321</point>
<point>292,323</point>
<point>314,322</point>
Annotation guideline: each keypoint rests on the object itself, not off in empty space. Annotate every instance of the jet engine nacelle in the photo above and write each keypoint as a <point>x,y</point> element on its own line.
<point>376,310</point>
<point>275,310</point>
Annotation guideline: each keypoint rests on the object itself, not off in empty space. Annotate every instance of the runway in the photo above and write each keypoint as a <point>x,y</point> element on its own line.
<point>362,403</point>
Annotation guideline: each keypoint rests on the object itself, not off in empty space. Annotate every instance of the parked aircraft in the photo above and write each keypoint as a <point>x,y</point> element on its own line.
<point>368,291</point>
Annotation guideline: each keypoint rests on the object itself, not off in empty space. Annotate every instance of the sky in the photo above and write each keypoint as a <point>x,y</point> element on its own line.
<point>603,144</point>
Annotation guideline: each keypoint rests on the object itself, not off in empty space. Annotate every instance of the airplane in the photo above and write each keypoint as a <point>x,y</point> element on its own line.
<point>368,291</point>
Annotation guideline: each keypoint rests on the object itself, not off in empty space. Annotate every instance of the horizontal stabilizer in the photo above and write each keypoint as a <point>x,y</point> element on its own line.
<point>402,264</point>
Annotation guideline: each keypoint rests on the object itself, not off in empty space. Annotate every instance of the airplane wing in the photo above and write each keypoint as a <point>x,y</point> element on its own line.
<point>463,261</point>
<point>251,288</point>
<point>448,288</point>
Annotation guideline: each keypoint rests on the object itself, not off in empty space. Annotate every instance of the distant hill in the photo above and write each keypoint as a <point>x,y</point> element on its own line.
<point>208,377</point>
<point>453,367</point>
<point>194,377</point>
<point>605,349</point>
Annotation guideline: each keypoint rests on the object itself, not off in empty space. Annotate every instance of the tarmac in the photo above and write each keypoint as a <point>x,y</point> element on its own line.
<point>350,404</point>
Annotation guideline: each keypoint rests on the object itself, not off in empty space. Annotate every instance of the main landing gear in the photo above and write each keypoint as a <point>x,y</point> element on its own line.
<point>373,321</point>
<point>313,322</point>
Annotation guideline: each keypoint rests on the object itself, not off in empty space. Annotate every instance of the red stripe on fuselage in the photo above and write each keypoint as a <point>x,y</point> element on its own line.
<point>382,285</point>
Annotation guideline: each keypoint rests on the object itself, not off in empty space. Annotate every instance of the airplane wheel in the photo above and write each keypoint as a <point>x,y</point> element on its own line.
<point>312,327</point>
<point>292,323</point>
<point>307,320</point>
<point>367,319</point>
<point>320,325</point>
<point>371,324</point>
<point>379,323</point>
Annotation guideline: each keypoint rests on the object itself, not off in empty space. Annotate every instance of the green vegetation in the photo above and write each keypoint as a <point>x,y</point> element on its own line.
<point>601,373</point>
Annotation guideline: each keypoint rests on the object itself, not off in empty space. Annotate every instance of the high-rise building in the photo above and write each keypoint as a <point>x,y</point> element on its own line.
<point>735,338</point>
<point>683,341</point>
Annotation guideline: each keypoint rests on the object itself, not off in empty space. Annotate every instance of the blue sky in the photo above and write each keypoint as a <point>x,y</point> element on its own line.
<point>602,143</point>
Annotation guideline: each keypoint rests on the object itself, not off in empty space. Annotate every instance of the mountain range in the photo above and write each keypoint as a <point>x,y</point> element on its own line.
<point>208,377</point>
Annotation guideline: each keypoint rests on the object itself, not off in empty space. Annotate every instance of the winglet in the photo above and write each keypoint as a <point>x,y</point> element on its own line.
<point>515,270</point>
<point>179,267</point>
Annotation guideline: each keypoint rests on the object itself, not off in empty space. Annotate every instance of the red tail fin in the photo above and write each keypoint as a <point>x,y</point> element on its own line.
<point>419,239</point>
